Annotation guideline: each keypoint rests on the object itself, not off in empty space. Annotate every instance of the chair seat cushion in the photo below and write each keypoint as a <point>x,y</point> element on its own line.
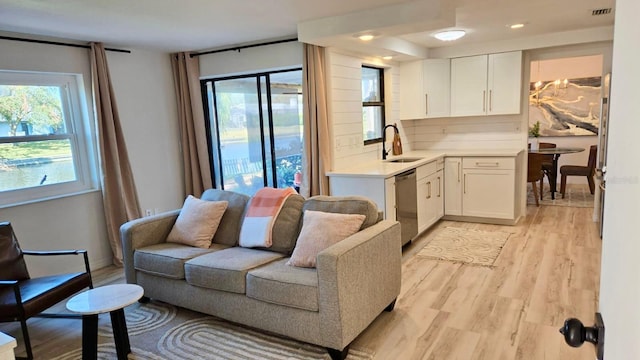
<point>226,270</point>
<point>575,170</point>
<point>281,284</point>
<point>167,259</point>
<point>39,294</point>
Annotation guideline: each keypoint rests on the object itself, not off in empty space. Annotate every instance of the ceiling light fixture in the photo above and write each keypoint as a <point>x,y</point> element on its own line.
<point>449,35</point>
<point>388,57</point>
<point>366,37</point>
<point>516,26</point>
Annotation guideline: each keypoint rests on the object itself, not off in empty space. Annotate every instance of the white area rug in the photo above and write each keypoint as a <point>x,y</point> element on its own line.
<point>465,245</point>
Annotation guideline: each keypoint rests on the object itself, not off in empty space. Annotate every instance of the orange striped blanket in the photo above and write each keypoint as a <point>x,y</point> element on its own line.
<point>261,215</point>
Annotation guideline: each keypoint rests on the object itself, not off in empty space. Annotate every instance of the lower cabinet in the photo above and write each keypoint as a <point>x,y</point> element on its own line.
<point>430,192</point>
<point>481,187</point>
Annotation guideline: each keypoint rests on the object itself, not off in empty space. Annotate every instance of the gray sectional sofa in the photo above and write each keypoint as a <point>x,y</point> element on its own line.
<point>330,305</point>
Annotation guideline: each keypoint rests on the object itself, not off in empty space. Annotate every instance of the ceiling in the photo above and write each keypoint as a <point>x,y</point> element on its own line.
<point>401,27</point>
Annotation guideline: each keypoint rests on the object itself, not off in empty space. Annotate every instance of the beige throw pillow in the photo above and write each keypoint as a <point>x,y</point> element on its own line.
<point>319,231</point>
<point>197,222</point>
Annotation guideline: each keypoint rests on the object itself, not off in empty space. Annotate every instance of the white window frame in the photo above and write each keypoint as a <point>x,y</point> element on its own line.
<point>74,108</point>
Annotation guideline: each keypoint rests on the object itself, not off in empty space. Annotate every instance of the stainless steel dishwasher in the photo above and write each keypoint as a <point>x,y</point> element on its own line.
<point>407,205</point>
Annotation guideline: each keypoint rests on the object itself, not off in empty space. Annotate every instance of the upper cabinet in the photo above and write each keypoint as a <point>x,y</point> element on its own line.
<point>486,84</point>
<point>424,89</point>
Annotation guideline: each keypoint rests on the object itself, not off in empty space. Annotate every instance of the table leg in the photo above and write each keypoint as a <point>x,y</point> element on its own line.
<point>120,334</point>
<point>554,177</point>
<point>90,337</point>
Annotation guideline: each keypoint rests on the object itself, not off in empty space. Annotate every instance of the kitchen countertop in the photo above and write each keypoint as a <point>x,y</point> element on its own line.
<point>384,168</point>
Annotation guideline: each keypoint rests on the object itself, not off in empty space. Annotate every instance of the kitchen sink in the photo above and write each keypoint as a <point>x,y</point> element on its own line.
<point>404,160</point>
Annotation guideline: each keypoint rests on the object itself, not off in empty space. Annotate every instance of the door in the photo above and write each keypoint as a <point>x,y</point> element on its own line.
<point>256,130</point>
<point>504,83</point>
<point>437,84</point>
<point>488,193</point>
<point>469,86</point>
<point>453,186</point>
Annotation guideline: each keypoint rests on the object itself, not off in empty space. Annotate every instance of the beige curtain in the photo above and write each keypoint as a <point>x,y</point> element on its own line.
<point>317,156</point>
<point>120,199</point>
<point>195,153</point>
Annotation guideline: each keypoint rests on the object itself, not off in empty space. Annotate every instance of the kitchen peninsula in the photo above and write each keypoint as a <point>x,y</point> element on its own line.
<point>463,185</point>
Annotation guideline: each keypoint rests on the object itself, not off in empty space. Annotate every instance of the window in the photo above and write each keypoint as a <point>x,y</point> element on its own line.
<point>255,130</point>
<point>372,104</point>
<point>43,152</point>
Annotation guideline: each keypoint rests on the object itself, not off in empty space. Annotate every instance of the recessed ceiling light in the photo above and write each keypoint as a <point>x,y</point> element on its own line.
<point>449,35</point>
<point>388,57</point>
<point>516,26</point>
<point>366,37</point>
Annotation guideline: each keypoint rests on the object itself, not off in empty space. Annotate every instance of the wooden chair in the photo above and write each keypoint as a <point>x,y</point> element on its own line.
<point>23,297</point>
<point>575,170</point>
<point>547,166</point>
<point>534,172</point>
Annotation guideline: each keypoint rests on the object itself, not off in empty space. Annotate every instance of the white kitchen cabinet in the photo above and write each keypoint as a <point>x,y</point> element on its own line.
<point>430,194</point>
<point>486,84</point>
<point>453,186</point>
<point>380,190</point>
<point>480,187</point>
<point>425,89</point>
<point>488,187</point>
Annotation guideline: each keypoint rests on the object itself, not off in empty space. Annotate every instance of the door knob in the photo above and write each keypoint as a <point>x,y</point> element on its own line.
<point>575,334</point>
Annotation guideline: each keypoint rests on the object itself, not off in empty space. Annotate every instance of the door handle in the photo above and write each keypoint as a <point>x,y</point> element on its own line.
<point>464,184</point>
<point>458,171</point>
<point>575,334</point>
<point>426,104</point>
<point>429,190</point>
<point>484,100</point>
<point>440,187</point>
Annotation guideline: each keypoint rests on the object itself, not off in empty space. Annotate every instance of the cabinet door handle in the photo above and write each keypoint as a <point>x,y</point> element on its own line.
<point>429,190</point>
<point>458,171</point>
<point>484,100</point>
<point>464,184</point>
<point>426,104</point>
<point>439,186</point>
<point>490,100</point>
<point>487,164</point>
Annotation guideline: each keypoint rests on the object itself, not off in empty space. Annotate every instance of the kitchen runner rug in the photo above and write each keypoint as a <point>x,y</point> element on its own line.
<point>578,195</point>
<point>159,331</point>
<point>469,246</point>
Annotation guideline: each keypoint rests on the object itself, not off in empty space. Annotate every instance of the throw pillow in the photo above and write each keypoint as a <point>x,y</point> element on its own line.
<point>197,222</point>
<point>319,231</point>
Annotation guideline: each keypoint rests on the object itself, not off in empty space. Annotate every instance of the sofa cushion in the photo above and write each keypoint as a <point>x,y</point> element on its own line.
<point>167,259</point>
<point>344,205</point>
<point>229,229</point>
<point>197,222</point>
<point>226,270</point>
<point>287,225</point>
<point>278,283</point>
<point>321,230</point>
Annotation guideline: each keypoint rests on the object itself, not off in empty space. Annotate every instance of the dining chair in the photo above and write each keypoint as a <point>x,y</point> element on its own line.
<point>547,166</point>
<point>23,297</point>
<point>575,170</point>
<point>534,172</point>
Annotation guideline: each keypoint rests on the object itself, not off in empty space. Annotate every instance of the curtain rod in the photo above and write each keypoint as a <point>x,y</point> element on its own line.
<point>59,43</point>
<point>238,48</point>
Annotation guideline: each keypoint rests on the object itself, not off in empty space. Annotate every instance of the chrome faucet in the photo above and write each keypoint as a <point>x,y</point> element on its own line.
<point>384,138</point>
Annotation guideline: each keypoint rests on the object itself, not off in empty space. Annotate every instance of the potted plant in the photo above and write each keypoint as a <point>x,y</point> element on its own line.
<point>534,132</point>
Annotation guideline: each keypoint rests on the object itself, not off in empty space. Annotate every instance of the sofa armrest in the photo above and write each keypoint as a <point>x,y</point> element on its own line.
<point>357,279</point>
<point>143,232</point>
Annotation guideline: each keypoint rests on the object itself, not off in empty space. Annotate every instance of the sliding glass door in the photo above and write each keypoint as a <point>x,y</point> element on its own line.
<point>255,130</point>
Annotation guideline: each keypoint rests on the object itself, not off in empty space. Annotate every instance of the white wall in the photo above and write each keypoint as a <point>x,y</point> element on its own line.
<point>344,95</point>
<point>619,285</point>
<point>144,91</point>
<point>143,84</point>
<point>270,57</point>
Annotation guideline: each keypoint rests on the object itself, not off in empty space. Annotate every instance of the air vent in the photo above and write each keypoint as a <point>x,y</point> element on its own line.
<point>598,12</point>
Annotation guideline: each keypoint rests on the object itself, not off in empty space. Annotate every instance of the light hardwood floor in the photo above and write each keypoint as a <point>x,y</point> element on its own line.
<point>547,271</point>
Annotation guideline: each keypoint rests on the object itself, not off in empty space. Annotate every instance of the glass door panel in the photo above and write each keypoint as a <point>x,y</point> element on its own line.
<point>240,135</point>
<point>286,104</point>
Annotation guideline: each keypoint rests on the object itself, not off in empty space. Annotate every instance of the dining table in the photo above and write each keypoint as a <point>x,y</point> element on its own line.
<point>556,152</point>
